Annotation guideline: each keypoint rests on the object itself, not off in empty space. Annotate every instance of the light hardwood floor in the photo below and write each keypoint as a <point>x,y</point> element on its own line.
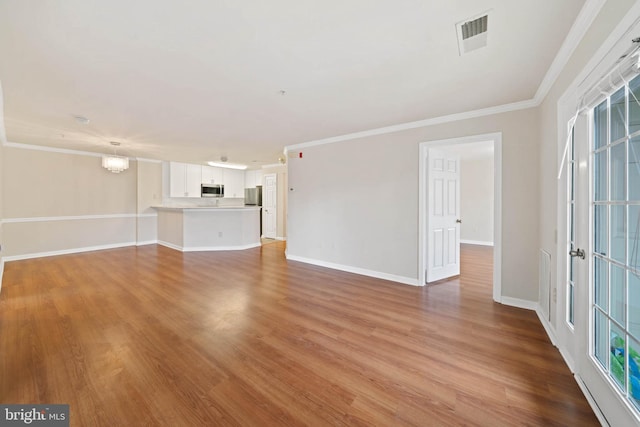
<point>151,336</point>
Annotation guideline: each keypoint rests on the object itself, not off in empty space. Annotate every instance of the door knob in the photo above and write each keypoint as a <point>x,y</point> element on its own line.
<point>577,253</point>
<point>458,221</point>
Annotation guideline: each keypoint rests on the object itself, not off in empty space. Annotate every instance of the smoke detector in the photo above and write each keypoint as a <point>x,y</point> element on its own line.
<point>472,33</point>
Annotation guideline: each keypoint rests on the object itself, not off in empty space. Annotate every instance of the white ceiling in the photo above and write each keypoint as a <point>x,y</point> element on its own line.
<point>195,80</point>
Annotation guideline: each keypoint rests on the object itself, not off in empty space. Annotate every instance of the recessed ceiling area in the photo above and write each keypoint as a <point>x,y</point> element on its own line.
<point>191,81</point>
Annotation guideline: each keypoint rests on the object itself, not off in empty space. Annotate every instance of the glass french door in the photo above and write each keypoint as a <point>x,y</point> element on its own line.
<point>572,247</point>
<point>607,282</point>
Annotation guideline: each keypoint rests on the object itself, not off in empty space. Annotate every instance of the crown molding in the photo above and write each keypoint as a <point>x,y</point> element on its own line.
<point>273,166</point>
<point>142,159</point>
<point>505,108</point>
<point>585,18</point>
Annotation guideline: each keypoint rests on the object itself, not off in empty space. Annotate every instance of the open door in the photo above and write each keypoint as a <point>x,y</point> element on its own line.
<point>443,217</point>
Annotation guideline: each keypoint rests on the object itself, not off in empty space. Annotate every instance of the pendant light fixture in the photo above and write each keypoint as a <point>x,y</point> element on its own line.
<point>115,163</point>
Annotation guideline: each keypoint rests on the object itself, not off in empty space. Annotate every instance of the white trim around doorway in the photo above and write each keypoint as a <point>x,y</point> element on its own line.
<point>496,138</point>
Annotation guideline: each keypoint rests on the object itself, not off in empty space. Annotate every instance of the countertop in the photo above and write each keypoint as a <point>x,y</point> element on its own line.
<point>210,208</point>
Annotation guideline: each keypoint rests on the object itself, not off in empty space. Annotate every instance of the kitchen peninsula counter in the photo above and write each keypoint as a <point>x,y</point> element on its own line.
<point>208,228</point>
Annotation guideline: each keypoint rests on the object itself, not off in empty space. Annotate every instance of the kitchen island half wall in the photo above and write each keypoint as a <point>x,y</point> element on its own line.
<point>208,228</point>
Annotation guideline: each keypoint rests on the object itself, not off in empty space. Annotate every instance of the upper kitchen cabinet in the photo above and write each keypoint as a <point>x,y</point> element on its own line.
<point>211,175</point>
<point>184,179</point>
<point>233,183</point>
<point>252,178</point>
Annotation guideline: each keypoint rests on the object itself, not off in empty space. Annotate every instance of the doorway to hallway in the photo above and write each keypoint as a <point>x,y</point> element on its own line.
<point>479,143</point>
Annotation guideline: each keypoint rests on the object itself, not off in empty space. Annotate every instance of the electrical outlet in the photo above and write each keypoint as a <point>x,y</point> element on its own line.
<point>219,233</point>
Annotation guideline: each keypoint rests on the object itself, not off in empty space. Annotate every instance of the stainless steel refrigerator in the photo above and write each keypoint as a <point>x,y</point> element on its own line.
<point>253,196</point>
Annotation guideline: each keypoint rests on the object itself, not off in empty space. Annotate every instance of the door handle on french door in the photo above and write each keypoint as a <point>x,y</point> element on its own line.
<point>577,252</point>
<point>458,221</point>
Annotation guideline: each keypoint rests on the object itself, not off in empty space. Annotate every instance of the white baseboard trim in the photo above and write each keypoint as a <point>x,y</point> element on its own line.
<point>550,330</point>
<point>568,360</point>
<point>147,242</point>
<point>476,242</point>
<point>208,248</point>
<point>170,245</point>
<point>519,303</point>
<point>592,402</point>
<point>67,251</point>
<point>362,271</point>
<point>221,248</point>
<point>284,239</point>
<point>547,327</point>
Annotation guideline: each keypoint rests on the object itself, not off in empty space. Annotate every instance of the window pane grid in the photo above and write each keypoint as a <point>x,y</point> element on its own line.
<point>615,290</point>
<point>635,134</point>
<point>633,361</point>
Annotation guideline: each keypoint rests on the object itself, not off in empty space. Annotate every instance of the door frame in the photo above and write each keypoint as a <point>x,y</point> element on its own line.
<point>496,138</point>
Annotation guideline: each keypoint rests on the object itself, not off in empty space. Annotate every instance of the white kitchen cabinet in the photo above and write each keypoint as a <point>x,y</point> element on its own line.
<point>194,180</point>
<point>233,180</point>
<point>211,175</point>
<point>184,180</point>
<point>252,178</point>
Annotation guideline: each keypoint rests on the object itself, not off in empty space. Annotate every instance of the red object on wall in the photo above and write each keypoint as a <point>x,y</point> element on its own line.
<point>300,154</point>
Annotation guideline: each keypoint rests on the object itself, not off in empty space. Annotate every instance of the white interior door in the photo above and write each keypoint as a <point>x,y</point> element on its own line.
<point>443,218</point>
<point>269,206</point>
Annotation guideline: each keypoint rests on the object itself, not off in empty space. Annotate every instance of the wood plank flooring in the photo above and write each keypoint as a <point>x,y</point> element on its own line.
<point>151,336</point>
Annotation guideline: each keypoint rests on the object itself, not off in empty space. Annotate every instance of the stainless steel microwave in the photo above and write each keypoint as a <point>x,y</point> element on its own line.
<point>212,190</point>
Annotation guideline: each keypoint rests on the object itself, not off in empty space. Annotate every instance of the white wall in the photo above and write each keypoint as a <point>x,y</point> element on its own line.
<point>149,193</point>
<point>2,141</point>
<point>476,200</point>
<point>355,203</point>
<point>58,201</point>
<point>476,191</point>
<point>1,206</point>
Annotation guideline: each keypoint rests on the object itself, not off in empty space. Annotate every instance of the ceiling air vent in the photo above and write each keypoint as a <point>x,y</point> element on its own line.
<point>472,33</point>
